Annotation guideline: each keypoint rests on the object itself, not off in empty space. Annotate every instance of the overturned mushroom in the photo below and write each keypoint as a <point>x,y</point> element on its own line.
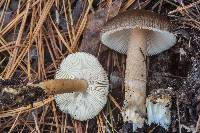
<point>138,33</point>
<point>87,104</point>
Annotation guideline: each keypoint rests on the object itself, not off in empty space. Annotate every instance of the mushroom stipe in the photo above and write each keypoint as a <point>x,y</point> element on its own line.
<point>59,86</point>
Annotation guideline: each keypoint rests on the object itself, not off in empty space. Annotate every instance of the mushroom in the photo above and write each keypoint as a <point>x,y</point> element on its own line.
<point>88,103</point>
<point>158,109</point>
<point>137,33</point>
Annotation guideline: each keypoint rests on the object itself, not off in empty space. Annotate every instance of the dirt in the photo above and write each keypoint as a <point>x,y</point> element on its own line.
<point>14,93</point>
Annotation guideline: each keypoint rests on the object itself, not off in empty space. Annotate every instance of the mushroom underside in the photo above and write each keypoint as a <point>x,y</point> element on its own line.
<point>87,104</point>
<point>157,40</point>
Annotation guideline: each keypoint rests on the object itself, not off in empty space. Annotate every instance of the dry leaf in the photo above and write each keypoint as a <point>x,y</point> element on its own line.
<point>91,38</point>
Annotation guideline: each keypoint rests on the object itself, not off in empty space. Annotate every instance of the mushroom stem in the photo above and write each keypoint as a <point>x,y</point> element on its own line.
<point>60,86</point>
<point>135,79</point>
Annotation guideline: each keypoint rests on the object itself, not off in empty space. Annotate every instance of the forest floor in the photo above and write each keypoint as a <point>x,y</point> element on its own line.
<point>36,35</point>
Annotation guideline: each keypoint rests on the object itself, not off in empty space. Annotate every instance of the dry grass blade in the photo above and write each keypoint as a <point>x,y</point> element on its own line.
<point>55,117</point>
<point>25,123</point>
<point>15,122</point>
<point>111,117</point>
<point>6,48</point>
<point>36,122</point>
<point>55,49</point>
<point>61,37</point>
<point>127,5</point>
<point>50,52</point>
<point>178,112</point>
<point>197,125</point>
<point>179,9</point>
<point>82,25</point>
<point>42,19</point>
<point>18,60</point>
<point>3,13</point>
<point>114,101</point>
<point>100,124</point>
<point>29,51</point>
<point>70,32</point>
<point>2,2</point>
<point>40,48</point>
<point>10,25</point>
<point>19,38</point>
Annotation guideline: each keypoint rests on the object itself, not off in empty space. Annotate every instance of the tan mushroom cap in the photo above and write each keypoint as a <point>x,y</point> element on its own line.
<point>115,34</point>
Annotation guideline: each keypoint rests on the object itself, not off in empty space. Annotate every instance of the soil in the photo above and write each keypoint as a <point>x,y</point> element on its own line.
<point>15,93</point>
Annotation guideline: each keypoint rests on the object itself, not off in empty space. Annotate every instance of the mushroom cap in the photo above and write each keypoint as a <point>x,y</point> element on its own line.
<point>83,105</point>
<point>115,34</point>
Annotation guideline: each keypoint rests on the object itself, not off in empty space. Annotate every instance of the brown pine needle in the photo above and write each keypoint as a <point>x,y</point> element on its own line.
<point>127,5</point>
<point>114,101</point>
<point>27,108</point>
<point>36,122</point>
<point>11,25</point>
<point>82,25</point>
<point>70,20</point>
<point>51,53</point>
<point>42,19</point>
<point>15,122</point>
<point>61,37</point>
<point>55,117</point>
<point>19,38</point>
<point>179,9</point>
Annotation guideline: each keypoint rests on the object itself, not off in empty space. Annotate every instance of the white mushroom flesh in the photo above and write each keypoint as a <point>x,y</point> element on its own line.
<point>158,110</point>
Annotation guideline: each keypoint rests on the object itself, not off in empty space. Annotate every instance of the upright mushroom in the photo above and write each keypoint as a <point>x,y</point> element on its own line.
<point>137,33</point>
<point>84,68</point>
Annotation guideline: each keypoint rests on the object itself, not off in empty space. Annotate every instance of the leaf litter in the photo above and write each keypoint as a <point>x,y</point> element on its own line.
<point>34,39</point>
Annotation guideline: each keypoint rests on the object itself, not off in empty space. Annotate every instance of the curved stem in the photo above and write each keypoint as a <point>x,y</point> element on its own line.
<point>135,79</point>
<point>59,86</point>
